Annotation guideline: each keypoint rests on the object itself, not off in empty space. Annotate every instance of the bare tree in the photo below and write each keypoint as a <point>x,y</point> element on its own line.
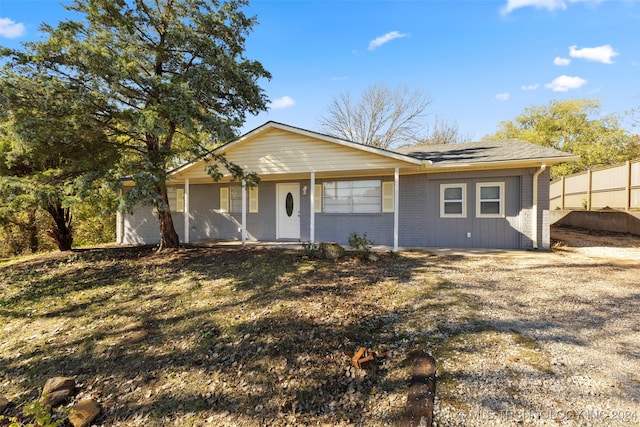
<point>444,132</point>
<point>381,118</point>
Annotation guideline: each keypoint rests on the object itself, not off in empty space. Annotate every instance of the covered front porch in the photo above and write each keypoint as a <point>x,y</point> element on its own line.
<point>294,209</point>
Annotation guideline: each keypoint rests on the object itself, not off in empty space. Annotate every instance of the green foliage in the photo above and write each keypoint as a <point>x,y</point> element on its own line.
<point>10,421</point>
<point>164,81</point>
<point>38,415</point>
<point>95,217</point>
<point>53,146</point>
<point>309,249</point>
<point>360,243</point>
<point>574,126</point>
<point>44,415</point>
<point>24,232</point>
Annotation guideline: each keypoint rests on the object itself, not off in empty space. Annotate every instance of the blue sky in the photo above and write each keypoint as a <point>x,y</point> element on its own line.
<point>480,62</point>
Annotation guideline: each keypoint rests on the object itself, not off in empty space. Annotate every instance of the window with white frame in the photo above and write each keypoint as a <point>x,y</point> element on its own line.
<point>453,200</point>
<point>176,199</point>
<point>235,198</point>
<point>364,196</point>
<point>490,199</point>
<point>231,199</point>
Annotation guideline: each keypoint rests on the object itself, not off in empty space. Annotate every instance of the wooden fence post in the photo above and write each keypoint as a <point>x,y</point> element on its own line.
<point>422,392</point>
<point>589,177</point>
<point>628,187</point>
<point>562,189</point>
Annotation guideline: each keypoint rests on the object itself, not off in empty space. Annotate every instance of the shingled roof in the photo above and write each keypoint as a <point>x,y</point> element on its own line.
<point>508,150</point>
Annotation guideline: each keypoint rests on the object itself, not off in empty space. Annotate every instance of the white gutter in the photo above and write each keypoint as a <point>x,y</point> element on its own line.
<point>534,208</point>
<point>524,163</point>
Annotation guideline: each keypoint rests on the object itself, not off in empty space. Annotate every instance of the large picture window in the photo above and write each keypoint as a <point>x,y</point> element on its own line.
<point>490,199</point>
<point>352,196</point>
<point>453,200</point>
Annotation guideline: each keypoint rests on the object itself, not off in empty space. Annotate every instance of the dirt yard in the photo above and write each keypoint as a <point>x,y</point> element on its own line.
<point>233,337</point>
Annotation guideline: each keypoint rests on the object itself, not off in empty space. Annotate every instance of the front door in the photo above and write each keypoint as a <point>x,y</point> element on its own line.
<point>288,211</point>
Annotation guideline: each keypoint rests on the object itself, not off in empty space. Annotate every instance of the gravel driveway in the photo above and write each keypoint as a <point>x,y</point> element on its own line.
<point>580,308</point>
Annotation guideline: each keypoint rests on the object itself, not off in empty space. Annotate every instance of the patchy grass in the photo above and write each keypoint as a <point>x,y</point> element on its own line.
<point>210,336</point>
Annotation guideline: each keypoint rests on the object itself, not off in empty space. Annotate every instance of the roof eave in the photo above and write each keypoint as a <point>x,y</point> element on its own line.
<point>504,164</point>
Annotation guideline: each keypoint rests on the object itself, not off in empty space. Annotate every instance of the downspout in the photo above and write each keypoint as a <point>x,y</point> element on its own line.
<point>534,230</point>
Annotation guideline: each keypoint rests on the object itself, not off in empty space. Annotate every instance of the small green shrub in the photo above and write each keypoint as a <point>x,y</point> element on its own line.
<point>38,415</point>
<point>360,243</point>
<point>309,249</point>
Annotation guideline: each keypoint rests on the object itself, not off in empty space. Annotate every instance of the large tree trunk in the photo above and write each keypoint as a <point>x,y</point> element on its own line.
<point>62,231</point>
<point>32,228</point>
<point>168,237</point>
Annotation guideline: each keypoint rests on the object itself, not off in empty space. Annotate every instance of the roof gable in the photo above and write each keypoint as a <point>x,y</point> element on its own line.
<point>274,149</point>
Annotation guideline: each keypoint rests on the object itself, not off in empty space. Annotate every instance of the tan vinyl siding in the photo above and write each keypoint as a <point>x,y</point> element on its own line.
<point>276,152</point>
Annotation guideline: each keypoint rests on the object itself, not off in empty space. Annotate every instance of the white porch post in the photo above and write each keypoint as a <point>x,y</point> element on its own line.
<point>244,212</point>
<point>186,210</point>
<point>396,206</point>
<point>119,224</point>
<point>312,214</point>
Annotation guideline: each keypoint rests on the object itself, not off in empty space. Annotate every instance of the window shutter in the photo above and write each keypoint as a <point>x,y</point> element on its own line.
<point>224,199</point>
<point>180,200</point>
<point>388,201</point>
<point>253,199</point>
<point>317,198</point>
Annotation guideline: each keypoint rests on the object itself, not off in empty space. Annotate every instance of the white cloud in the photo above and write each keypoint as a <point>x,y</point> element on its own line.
<point>561,62</point>
<point>284,102</point>
<point>598,54</point>
<point>11,29</point>
<point>531,87</point>
<point>550,5</point>
<point>502,97</point>
<point>538,4</point>
<point>379,41</point>
<point>565,83</point>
